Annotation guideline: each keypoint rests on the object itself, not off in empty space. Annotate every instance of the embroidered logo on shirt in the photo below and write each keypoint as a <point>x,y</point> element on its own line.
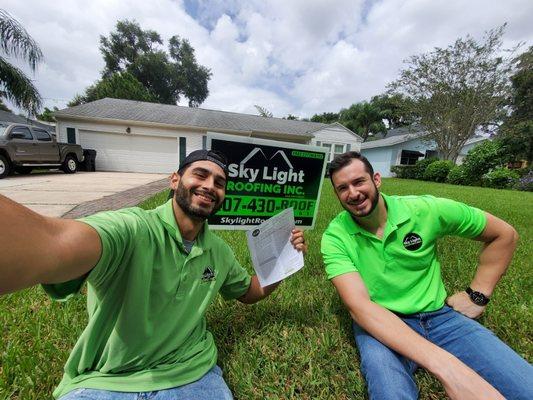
<point>412,241</point>
<point>208,275</point>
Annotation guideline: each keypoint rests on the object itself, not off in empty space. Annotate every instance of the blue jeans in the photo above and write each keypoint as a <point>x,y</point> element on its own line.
<point>211,386</point>
<point>389,375</point>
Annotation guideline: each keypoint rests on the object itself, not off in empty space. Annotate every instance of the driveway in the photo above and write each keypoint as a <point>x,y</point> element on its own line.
<point>58,194</point>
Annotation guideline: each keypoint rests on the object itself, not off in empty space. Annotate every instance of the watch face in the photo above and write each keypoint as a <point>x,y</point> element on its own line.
<point>478,298</point>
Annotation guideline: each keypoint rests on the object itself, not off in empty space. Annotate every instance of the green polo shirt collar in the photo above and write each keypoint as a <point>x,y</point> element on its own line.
<point>397,214</point>
<point>166,215</point>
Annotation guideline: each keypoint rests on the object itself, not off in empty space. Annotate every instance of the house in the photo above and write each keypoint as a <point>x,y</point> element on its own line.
<point>405,146</point>
<point>136,136</point>
<point>401,146</point>
<point>337,139</point>
<point>8,117</point>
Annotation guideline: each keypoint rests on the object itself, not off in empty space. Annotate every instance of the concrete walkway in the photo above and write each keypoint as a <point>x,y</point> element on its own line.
<point>58,194</point>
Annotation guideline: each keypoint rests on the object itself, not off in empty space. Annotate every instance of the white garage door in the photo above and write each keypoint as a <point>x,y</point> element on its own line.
<point>129,153</point>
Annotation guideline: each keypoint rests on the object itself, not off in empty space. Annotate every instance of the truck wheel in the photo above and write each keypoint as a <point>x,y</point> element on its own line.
<point>23,170</point>
<point>5,167</point>
<point>70,165</point>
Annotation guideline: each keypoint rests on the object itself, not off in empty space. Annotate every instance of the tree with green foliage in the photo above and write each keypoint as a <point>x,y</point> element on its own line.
<point>394,109</point>
<point>363,118</point>
<point>325,118</point>
<point>131,52</point>
<point>456,90</point>
<point>516,133</point>
<point>15,86</point>
<point>119,85</point>
<point>47,115</point>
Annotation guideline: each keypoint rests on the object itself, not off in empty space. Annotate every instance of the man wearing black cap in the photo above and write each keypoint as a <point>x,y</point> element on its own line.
<point>150,278</point>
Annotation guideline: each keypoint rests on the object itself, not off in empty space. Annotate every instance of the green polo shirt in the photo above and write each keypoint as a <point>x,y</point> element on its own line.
<point>400,271</point>
<point>146,300</point>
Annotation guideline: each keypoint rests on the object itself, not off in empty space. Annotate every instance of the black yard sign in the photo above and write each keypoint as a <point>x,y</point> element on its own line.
<point>266,177</point>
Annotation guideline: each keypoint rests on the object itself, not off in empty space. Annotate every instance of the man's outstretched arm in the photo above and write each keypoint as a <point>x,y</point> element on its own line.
<point>499,243</point>
<point>36,249</point>
<point>459,381</point>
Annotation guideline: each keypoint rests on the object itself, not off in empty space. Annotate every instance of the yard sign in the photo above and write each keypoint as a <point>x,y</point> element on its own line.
<point>266,177</point>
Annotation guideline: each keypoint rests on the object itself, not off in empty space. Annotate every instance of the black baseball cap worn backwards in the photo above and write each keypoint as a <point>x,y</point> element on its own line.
<point>206,155</point>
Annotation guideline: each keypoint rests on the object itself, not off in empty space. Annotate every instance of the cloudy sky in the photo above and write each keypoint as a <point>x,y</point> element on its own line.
<point>290,56</point>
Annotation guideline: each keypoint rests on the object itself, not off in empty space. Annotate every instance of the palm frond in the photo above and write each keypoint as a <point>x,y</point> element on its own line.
<point>263,112</point>
<point>18,88</point>
<point>15,41</point>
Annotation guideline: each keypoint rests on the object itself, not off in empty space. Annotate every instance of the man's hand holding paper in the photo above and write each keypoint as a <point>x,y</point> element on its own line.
<point>276,248</point>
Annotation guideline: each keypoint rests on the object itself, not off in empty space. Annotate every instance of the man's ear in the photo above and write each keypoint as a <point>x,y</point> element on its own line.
<point>174,180</point>
<point>377,179</point>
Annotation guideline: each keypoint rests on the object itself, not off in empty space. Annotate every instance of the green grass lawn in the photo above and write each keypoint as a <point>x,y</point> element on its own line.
<point>298,342</point>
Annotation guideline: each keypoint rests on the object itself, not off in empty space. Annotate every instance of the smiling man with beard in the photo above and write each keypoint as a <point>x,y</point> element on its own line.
<point>150,277</point>
<point>380,254</point>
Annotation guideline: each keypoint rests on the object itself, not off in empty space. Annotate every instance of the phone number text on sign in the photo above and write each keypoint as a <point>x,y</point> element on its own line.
<point>266,206</point>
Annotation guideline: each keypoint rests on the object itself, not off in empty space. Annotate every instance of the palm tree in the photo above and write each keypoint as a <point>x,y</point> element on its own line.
<point>14,84</point>
<point>363,118</point>
<point>263,112</point>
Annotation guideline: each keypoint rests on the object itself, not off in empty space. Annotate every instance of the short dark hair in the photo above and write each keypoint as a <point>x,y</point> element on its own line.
<point>342,160</point>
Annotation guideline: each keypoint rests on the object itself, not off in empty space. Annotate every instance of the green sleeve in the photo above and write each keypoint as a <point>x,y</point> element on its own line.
<point>116,230</point>
<point>458,219</point>
<point>334,253</point>
<point>237,280</point>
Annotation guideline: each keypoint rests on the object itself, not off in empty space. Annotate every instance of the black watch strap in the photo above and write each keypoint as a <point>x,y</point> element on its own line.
<point>477,297</point>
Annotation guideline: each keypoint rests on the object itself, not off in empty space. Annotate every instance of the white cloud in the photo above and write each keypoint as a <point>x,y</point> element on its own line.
<point>300,57</point>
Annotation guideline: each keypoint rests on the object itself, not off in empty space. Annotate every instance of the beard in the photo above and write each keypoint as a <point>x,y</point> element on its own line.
<point>374,200</point>
<point>183,198</point>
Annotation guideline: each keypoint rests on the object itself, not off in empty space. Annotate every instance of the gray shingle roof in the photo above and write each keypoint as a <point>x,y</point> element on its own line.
<point>9,117</point>
<point>404,134</point>
<point>399,131</point>
<point>394,139</point>
<point>186,116</point>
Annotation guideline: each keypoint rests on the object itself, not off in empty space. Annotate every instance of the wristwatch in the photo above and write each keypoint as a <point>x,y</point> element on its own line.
<point>477,297</point>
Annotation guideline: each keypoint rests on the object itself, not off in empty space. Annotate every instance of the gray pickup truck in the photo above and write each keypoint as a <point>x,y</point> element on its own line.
<point>24,147</point>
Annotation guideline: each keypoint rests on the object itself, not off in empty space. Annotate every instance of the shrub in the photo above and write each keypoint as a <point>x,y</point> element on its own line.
<point>457,175</point>
<point>523,171</point>
<point>403,171</point>
<point>500,178</point>
<point>420,167</point>
<point>481,159</point>
<point>525,182</point>
<point>438,171</point>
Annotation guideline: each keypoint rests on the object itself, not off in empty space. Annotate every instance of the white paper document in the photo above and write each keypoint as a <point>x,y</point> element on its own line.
<point>272,253</point>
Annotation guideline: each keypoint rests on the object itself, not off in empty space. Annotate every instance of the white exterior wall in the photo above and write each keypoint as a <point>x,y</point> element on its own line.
<point>337,135</point>
<point>380,159</point>
<point>143,149</point>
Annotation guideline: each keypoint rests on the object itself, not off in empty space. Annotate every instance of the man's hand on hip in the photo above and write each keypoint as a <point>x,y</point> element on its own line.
<point>462,303</point>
